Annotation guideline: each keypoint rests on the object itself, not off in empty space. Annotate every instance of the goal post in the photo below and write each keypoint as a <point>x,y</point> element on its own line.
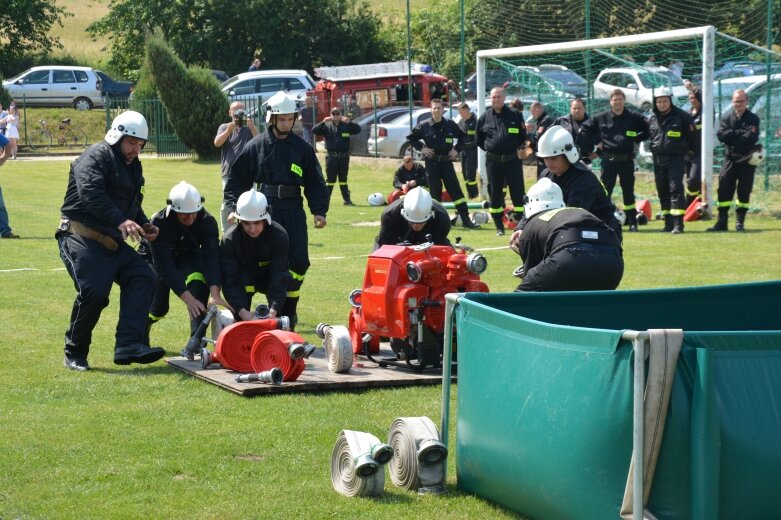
<point>583,54</point>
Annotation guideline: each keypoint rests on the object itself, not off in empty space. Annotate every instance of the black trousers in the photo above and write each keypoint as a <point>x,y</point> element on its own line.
<point>442,172</point>
<point>337,168</point>
<point>254,283</point>
<point>294,222</point>
<point>469,171</point>
<point>693,176</point>
<point>189,269</point>
<point>734,174</point>
<point>501,174</point>
<point>578,267</point>
<point>94,269</point>
<point>625,171</point>
<point>668,174</point>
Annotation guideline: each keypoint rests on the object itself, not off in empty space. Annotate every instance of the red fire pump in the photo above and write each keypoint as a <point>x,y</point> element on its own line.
<point>403,299</point>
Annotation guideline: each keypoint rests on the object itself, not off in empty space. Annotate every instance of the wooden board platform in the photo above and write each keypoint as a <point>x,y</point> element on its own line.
<point>315,378</point>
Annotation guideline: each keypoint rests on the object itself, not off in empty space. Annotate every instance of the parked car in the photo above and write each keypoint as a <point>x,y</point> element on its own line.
<point>57,86</point>
<point>265,83</point>
<point>359,142</point>
<point>392,137</point>
<point>738,69</point>
<point>111,88</point>
<point>560,79</point>
<point>493,78</point>
<point>638,84</point>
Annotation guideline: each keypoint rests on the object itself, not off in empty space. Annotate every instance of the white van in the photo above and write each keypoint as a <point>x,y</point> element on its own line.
<point>265,83</point>
<point>56,86</point>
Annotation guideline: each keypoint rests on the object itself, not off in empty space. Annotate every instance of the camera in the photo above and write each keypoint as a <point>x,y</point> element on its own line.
<point>240,118</point>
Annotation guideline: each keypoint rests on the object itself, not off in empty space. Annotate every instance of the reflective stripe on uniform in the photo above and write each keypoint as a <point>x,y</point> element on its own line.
<point>154,318</point>
<point>293,294</point>
<point>673,133</point>
<point>196,276</point>
<point>545,217</point>
<point>724,204</point>
<point>677,212</point>
<point>462,200</point>
<point>297,170</point>
<point>666,212</point>
<point>249,288</point>
<point>471,183</point>
<point>296,276</point>
<point>264,264</point>
<point>692,193</point>
<point>743,205</point>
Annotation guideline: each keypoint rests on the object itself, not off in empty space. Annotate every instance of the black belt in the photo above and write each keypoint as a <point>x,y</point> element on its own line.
<point>572,236</point>
<point>338,155</point>
<point>470,146</point>
<point>619,157</point>
<point>493,157</point>
<point>280,191</point>
<point>438,158</point>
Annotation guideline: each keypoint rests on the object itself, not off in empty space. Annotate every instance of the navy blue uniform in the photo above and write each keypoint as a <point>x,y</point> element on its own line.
<point>542,123</point>
<point>281,169</point>
<point>255,265</point>
<point>102,193</point>
<point>469,155</point>
<point>185,258</point>
<point>403,176</point>
<point>694,161</point>
<point>569,249</point>
<point>672,137</point>
<point>395,229</point>
<point>502,135</point>
<point>337,160</point>
<point>739,135</point>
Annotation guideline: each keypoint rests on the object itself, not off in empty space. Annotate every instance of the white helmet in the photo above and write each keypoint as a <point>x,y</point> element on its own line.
<point>252,207</point>
<point>557,141</point>
<point>542,196</point>
<point>280,103</point>
<point>376,199</point>
<point>184,198</point>
<point>663,91</point>
<point>757,156</point>
<point>127,123</point>
<point>417,206</point>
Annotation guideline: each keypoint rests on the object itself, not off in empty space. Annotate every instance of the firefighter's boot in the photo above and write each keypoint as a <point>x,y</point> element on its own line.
<point>498,223</point>
<point>668,223</point>
<point>740,219</point>
<point>466,221</point>
<point>471,189</point>
<point>345,194</point>
<point>721,223</point>
<point>677,225</point>
<point>631,219</point>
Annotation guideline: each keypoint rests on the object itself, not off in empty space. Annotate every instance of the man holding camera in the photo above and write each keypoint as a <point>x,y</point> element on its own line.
<point>230,139</point>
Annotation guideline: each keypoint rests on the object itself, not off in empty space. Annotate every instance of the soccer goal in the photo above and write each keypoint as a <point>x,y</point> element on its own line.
<point>556,73</point>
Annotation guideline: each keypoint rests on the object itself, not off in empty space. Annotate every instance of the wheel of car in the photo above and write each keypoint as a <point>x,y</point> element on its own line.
<point>417,155</point>
<point>82,103</point>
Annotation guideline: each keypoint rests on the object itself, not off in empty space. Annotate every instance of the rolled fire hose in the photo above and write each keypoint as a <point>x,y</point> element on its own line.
<point>356,464</point>
<point>338,347</point>
<point>234,344</point>
<point>278,348</point>
<point>419,457</point>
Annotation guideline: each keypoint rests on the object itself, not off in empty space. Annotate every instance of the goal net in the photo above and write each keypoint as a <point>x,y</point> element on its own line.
<point>556,73</point>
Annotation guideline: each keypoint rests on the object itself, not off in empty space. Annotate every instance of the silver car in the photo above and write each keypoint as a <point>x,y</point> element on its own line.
<point>391,138</point>
<point>57,86</point>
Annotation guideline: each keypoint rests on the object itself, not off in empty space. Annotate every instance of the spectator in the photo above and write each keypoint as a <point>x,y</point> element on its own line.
<point>12,130</point>
<point>3,124</point>
<point>468,125</point>
<point>255,65</point>
<point>409,175</point>
<point>517,104</point>
<point>573,124</point>
<point>542,121</point>
<point>5,227</point>
<point>650,62</point>
<point>231,138</point>
<point>308,117</point>
<point>352,110</point>
<point>676,67</point>
<point>337,130</point>
<point>102,208</point>
<point>694,159</point>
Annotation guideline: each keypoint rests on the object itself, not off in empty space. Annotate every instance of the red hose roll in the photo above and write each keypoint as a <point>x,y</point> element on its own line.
<point>271,349</point>
<point>234,344</point>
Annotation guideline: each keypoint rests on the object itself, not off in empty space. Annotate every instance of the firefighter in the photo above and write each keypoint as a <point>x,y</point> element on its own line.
<point>409,175</point>
<point>337,131</point>
<point>281,165</point>
<point>501,132</point>
<point>672,137</point>
<point>694,159</point>
<point>185,256</point>
<point>615,132</point>
<point>541,121</point>
<point>573,122</point>
<point>436,138</point>
<point>102,208</point>
<point>468,125</point>
<point>412,219</point>
<point>739,131</point>
<point>565,249</point>
<point>580,186</point>
<point>254,258</point>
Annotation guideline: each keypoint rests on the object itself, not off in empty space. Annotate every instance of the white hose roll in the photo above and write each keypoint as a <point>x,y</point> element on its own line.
<point>419,458</point>
<point>354,472</point>
<point>338,349</point>
<point>220,321</point>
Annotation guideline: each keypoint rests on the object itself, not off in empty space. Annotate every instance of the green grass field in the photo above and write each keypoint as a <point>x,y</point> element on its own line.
<point>149,442</point>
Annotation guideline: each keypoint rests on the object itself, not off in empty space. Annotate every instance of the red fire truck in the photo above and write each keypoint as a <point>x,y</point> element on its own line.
<point>377,85</point>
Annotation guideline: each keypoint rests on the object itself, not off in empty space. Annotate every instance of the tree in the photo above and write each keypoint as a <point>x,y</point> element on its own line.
<point>192,97</point>
<point>25,28</point>
<point>227,36</point>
